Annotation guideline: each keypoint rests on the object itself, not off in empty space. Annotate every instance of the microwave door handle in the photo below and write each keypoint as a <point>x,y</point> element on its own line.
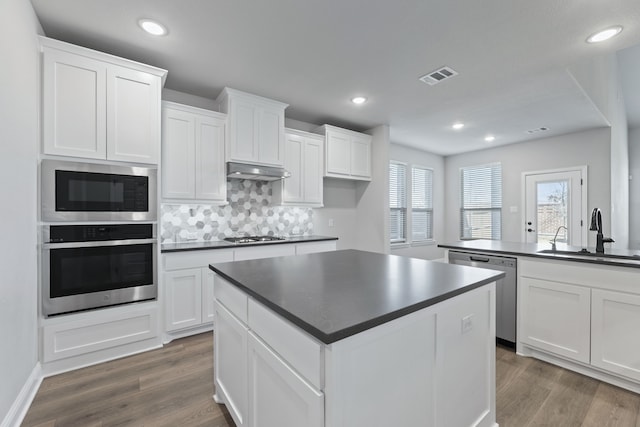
<point>98,243</point>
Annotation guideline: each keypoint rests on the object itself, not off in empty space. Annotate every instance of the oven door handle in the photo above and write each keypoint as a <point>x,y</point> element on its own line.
<point>98,243</point>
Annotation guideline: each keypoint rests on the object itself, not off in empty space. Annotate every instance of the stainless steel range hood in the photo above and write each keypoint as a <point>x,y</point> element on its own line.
<point>255,172</point>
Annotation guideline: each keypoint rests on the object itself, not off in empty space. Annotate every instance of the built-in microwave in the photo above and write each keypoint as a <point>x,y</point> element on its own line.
<point>74,191</point>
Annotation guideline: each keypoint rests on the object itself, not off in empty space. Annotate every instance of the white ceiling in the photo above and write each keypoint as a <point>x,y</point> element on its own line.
<point>315,55</point>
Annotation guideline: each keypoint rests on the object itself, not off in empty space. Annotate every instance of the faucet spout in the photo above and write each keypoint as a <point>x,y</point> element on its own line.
<point>596,225</point>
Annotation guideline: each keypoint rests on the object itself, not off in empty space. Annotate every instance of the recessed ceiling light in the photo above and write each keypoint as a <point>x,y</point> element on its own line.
<point>152,27</point>
<point>489,138</point>
<point>359,100</point>
<point>605,34</point>
<point>457,126</point>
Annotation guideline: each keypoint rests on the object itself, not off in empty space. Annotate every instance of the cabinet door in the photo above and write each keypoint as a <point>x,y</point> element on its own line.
<point>271,137</point>
<point>183,298</point>
<point>338,153</point>
<point>556,317</point>
<point>312,171</point>
<point>279,396</point>
<point>178,154</point>
<point>268,251</point>
<point>208,307</point>
<point>74,102</point>
<point>230,364</point>
<point>210,176</point>
<point>133,115</point>
<point>361,157</point>
<point>292,186</point>
<point>615,322</point>
<point>244,119</point>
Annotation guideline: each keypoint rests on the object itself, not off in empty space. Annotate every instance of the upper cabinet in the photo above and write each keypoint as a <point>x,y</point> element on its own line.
<point>304,153</point>
<point>99,106</point>
<point>255,131</point>
<point>193,166</point>
<point>347,153</point>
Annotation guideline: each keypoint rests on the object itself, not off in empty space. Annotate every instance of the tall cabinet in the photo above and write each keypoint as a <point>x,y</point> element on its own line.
<point>99,106</point>
<point>193,166</point>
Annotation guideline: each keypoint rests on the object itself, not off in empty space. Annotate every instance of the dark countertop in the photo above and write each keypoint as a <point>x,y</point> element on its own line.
<point>333,295</point>
<point>221,244</point>
<point>533,250</point>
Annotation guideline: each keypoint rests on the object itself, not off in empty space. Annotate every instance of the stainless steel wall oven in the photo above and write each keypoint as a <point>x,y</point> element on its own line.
<point>91,266</point>
<point>74,191</point>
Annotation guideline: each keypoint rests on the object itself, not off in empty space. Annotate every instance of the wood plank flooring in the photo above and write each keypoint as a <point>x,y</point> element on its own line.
<point>173,386</point>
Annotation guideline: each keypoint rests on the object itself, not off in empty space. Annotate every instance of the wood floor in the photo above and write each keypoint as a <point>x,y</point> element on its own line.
<point>173,386</point>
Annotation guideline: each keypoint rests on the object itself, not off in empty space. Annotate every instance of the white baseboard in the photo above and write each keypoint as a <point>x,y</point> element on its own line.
<point>22,403</point>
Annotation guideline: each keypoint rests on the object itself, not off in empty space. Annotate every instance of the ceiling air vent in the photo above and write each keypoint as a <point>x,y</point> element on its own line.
<point>542,129</point>
<point>438,75</point>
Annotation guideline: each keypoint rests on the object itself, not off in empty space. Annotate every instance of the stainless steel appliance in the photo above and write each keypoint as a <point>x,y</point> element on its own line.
<point>256,172</point>
<point>505,290</point>
<point>253,239</point>
<point>73,191</point>
<point>91,266</point>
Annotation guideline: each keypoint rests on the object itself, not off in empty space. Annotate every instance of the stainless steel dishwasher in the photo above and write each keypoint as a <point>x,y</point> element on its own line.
<point>505,290</point>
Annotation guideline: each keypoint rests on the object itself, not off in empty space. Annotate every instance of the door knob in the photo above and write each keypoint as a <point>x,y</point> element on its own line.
<point>530,230</point>
<point>529,223</point>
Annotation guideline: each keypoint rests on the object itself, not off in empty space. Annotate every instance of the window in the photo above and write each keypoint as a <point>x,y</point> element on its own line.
<point>417,193</point>
<point>398,201</point>
<point>421,204</point>
<point>481,204</point>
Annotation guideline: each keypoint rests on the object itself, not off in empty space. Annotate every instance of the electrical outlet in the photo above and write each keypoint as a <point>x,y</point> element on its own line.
<point>467,323</point>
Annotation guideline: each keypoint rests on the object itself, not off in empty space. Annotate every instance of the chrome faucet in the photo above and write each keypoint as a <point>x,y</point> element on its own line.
<point>596,225</point>
<point>553,244</point>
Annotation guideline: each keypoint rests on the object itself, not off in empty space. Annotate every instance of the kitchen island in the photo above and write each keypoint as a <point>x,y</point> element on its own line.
<point>352,338</point>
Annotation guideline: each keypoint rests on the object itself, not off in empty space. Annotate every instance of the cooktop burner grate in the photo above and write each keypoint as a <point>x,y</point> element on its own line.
<point>252,239</point>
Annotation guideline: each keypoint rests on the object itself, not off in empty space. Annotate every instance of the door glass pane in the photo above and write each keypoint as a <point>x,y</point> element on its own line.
<point>552,210</point>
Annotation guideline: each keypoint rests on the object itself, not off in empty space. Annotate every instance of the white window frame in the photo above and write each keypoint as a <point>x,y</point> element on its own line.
<point>490,209</point>
<point>408,232</point>
<point>402,241</point>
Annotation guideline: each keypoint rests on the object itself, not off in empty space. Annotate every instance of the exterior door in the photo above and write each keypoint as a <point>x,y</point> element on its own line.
<point>553,200</point>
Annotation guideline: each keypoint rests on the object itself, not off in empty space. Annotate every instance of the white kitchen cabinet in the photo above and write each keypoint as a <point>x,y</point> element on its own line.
<point>347,153</point>
<point>208,306</point>
<point>266,251</point>
<point>230,365</point>
<point>304,153</point>
<point>255,132</point>
<point>615,322</point>
<point>557,317</point>
<point>184,298</point>
<point>279,395</point>
<point>99,106</point>
<point>193,166</point>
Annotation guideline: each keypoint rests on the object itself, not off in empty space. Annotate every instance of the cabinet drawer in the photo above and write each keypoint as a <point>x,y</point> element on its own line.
<point>301,351</point>
<point>311,248</point>
<point>195,259</point>
<point>268,251</point>
<point>231,297</point>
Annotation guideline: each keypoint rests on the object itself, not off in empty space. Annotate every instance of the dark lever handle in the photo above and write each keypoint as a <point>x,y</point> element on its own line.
<point>473,258</point>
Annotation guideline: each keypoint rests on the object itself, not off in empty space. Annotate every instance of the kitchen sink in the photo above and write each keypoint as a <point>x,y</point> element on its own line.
<point>586,253</point>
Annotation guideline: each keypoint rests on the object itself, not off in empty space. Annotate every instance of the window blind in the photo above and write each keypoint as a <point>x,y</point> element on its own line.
<point>481,204</point>
<point>421,204</point>
<point>397,202</point>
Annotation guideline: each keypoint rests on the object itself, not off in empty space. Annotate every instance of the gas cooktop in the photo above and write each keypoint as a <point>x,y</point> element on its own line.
<point>253,239</point>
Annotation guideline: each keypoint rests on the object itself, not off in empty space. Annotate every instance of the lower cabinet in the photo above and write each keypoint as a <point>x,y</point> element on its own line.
<point>615,322</point>
<point>279,396</point>
<point>230,368</point>
<point>557,317</point>
<point>189,298</point>
<point>586,316</point>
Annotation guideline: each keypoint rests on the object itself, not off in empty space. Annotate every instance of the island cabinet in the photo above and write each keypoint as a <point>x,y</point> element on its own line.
<point>347,153</point>
<point>255,132</point>
<point>193,166</point>
<point>99,106</point>
<point>272,369</point>
<point>304,154</point>
<point>583,316</point>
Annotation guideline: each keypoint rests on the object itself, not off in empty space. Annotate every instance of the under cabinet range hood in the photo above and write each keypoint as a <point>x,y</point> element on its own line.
<point>255,172</point>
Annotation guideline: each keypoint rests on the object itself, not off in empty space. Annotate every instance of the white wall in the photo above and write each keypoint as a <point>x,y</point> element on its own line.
<point>19,130</point>
<point>591,148</point>
<point>339,209</point>
<point>422,158</point>
<point>188,99</point>
<point>372,198</point>
<point>634,188</point>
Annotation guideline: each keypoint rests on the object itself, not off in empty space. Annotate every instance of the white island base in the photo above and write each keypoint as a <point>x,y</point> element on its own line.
<point>432,367</point>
